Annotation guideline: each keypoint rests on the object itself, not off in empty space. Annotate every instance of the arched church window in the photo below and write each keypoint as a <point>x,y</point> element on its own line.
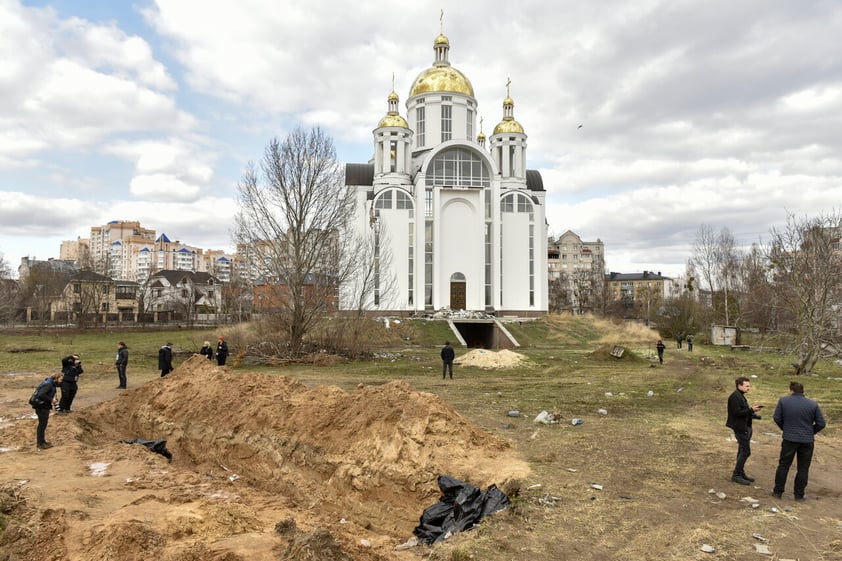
<point>517,202</point>
<point>384,200</point>
<point>458,167</point>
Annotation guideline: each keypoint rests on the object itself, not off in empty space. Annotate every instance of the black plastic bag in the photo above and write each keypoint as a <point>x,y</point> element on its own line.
<point>158,446</point>
<point>460,507</point>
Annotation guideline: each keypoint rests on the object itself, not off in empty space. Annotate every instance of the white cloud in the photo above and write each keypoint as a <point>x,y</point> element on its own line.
<point>693,112</point>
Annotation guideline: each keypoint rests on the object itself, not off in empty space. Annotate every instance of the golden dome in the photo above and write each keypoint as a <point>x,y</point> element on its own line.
<point>441,79</point>
<point>393,121</point>
<point>508,126</point>
<point>393,95</point>
<point>441,40</point>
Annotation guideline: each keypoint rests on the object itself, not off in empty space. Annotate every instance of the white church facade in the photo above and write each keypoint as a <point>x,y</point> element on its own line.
<point>462,221</point>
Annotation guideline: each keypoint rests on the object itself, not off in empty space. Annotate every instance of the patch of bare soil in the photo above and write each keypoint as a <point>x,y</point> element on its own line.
<point>346,475</point>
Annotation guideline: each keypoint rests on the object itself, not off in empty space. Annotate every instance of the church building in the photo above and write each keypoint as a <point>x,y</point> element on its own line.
<point>460,217</point>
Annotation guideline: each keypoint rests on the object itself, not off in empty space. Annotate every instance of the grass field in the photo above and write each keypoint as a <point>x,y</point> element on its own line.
<point>658,450</point>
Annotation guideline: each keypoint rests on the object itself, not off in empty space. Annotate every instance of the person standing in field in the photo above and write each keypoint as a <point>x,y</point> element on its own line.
<point>165,359</point>
<point>740,415</point>
<point>206,350</point>
<point>447,356</point>
<point>221,351</point>
<point>69,384</point>
<point>690,342</point>
<point>800,419</point>
<point>660,348</point>
<point>42,401</point>
<point>120,362</point>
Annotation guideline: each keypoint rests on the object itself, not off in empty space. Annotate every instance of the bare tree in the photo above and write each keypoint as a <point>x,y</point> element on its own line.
<point>559,294</point>
<point>294,215</point>
<point>757,297</point>
<point>8,292</point>
<point>704,257</point>
<point>715,259</point>
<point>805,258</point>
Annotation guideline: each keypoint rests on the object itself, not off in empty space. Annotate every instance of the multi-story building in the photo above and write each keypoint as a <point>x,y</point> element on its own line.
<point>464,223</point>
<point>644,292</point>
<point>575,271</point>
<point>110,247</point>
<point>78,250</point>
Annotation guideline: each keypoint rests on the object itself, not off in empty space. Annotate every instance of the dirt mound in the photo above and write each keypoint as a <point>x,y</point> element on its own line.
<point>371,456</point>
<point>611,352</point>
<point>482,358</point>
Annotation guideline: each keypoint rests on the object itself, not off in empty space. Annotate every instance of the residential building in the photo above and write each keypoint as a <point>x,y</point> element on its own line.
<point>643,292</point>
<point>110,247</point>
<point>78,250</point>
<point>90,297</point>
<point>182,292</point>
<point>463,222</point>
<point>575,270</point>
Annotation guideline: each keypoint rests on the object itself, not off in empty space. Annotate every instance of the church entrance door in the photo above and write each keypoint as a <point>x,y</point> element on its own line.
<point>457,291</point>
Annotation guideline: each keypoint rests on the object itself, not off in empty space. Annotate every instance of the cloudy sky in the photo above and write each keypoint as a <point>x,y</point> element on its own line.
<point>693,112</point>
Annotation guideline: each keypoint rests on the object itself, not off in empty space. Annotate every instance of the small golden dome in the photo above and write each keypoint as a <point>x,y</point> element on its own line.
<point>481,136</point>
<point>441,40</point>
<point>508,101</point>
<point>393,121</point>
<point>508,126</point>
<point>393,95</point>
<point>441,79</point>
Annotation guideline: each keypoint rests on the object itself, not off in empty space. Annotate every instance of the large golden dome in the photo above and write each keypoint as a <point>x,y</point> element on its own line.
<point>441,79</point>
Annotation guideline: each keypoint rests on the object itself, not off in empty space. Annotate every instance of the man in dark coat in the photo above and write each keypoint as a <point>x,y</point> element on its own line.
<point>447,356</point>
<point>165,359</point>
<point>740,415</point>
<point>221,351</point>
<point>69,384</point>
<point>42,402</point>
<point>120,362</point>
<point>800,419</point>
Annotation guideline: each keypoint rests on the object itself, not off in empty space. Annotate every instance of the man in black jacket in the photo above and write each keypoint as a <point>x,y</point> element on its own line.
<point>71,369</point>
<point>120,362</point>
<point>740,415</point>
<point>447,356</point>
<point>165,359</point>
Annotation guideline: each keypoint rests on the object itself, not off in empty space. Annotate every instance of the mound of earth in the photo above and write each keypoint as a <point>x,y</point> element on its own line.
<point>609,352</point>
<point>482,358</point>
<point>249,450</point>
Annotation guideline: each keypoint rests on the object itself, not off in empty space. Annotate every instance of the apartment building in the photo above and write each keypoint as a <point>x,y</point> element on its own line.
<point>575,272</point>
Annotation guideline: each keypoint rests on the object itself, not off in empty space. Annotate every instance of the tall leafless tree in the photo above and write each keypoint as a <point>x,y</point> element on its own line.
<point>8,292</point>
<point>295,214</point>
<point>714,258</point>
<point>806,259</point>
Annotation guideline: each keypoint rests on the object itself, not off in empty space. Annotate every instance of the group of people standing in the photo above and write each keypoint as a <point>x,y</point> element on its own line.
<point>44,398</point>
<point>798,417</point>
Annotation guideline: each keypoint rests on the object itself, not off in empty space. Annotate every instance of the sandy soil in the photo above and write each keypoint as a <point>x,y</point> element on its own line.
<point>263,468</point>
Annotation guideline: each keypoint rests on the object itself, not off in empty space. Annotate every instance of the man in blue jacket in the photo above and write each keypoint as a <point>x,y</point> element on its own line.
<point>800,419</point>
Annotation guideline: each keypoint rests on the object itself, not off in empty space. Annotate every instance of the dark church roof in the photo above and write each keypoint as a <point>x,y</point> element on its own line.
<point>359,174</point>
<point>534,182</point>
